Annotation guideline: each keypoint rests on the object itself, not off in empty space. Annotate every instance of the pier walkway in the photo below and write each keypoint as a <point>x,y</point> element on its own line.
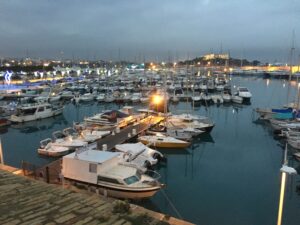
<point>31,202</point>
<point>118,138</point>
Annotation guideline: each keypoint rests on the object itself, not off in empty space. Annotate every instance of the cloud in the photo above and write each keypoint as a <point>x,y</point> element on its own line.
<point>151,28</point>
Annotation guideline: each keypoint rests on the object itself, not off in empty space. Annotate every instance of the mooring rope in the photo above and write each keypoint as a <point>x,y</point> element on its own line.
<point>172,205</point>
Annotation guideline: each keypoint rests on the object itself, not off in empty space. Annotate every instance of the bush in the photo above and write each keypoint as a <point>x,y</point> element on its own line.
<point>121,207</point>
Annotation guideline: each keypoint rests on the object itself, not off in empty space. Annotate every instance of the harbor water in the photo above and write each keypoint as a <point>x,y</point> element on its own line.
<point>230,176</point>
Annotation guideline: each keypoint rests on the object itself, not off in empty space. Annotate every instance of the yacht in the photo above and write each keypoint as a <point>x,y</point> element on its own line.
<point>103,170</point>
<point>35,111</point>
<point>244,93</point>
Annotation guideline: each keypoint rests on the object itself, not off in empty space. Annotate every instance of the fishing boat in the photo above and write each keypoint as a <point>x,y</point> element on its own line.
<point>35,111</point>
<point>103,171</point>
<point>87,97</point>
<point>162,141</point>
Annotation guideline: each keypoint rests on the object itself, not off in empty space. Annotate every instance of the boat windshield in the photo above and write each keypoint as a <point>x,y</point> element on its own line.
<point>131,180</point>
<point>30,111</point>
<point>243,90</point>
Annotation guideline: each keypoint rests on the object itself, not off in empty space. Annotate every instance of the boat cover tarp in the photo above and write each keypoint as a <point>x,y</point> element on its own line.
<point>288,110</point>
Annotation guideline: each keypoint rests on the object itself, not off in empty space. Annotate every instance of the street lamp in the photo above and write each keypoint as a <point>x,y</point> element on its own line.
<point>285,169</point>
<point>157,99</point>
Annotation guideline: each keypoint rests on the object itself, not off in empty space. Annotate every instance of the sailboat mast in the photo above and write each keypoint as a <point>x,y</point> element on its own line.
<point>291,66</point>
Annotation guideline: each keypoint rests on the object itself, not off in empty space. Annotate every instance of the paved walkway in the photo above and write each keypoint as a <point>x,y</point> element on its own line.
<point>26,201</point>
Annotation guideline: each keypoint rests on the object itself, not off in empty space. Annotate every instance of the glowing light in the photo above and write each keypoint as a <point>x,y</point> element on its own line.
<point>157,99</point>
<point>7,77</point>
<point>282,190</point>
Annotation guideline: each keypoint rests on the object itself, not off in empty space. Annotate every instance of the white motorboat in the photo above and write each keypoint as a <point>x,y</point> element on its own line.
<point>136,97</point>
<point>226,97</point>
<point>203,87</point>
<point>87,97</point>
<point>30,112</point>
<point>205,97</point>
<point>244,93</point>
<point>236,99</point>
<point>196,98</point>
<point>109,98</point>
<point>139,154</point>
<point>100,97</point>
<point>162,141</point>
<point>54,98</point>
<point>217,99</point>
<point>191,122</point>
<point>48,149</point>
<point>63,140</point>
<point>103,170</point>
<point>220,87</point>
<point>93,135</point>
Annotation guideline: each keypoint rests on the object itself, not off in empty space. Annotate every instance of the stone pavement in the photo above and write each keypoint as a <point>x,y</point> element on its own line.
<point>26,201</point>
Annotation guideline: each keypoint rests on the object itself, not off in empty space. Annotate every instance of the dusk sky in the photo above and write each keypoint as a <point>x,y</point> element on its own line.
<point>156,29</point>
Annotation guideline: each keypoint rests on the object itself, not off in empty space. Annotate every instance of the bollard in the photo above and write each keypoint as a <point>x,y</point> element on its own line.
<point>113,133</point>
<point>129,135</point>
<point>104,147</point>
<point>118,130</point>
<point>133,132</point>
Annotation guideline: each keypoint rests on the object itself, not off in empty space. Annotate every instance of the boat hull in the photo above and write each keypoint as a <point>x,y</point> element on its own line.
<point>121,192</point>
<point>166,145</point>
<point>18,119</point>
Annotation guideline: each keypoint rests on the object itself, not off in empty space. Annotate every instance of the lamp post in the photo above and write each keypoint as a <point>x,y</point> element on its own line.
<point>285,169</point>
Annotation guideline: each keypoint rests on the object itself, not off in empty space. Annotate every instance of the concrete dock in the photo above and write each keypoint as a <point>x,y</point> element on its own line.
<point>31,202</point>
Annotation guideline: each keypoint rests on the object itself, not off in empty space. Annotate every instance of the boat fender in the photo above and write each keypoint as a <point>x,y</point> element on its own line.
<point>157,156</point>
<point>147,164</point>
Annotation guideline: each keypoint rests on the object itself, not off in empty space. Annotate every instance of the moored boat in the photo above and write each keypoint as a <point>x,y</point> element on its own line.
<point>162,141</point>
<point>103,171</point>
